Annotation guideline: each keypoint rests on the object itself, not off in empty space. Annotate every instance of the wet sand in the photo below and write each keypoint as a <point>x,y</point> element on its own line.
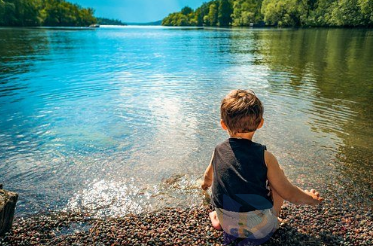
<point>326,224</point>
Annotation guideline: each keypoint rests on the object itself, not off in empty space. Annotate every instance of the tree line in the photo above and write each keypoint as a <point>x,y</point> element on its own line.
<point>283,13</point>
<point>107,21</point>
<point>44,13</point>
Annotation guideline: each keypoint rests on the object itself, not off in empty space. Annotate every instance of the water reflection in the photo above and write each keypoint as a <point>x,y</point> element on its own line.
<point>18,48</point>
<point>329,68</point>
<point>112,198</point>
<point>98,120</point>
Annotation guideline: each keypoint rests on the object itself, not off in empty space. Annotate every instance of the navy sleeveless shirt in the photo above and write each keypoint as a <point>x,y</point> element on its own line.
<point>240,176</point>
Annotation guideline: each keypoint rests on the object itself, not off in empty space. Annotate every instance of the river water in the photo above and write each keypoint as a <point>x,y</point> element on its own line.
<point>124,120</point>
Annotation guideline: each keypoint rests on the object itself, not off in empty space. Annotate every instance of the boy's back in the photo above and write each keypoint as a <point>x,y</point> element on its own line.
<point>239,170</point>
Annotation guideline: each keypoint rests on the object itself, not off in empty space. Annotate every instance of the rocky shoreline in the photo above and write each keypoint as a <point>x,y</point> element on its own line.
<point>322,225</point>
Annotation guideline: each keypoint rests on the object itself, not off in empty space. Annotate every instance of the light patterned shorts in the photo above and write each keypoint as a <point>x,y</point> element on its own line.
<point>256,224</point>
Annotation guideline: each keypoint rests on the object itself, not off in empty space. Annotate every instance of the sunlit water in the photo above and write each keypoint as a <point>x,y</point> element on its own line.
<point>124,120</point>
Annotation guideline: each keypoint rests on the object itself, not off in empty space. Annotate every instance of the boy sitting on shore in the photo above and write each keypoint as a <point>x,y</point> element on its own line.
<point>248,184</point>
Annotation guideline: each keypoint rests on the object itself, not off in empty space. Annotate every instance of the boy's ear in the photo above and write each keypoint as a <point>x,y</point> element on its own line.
<point>223,125</point>
<point>261,123</point>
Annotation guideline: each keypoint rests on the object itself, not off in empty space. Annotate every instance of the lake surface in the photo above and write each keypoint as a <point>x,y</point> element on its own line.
<point>124,120</point>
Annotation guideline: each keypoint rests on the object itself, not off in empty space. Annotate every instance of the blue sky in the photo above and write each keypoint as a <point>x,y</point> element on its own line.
<point>137,10</point>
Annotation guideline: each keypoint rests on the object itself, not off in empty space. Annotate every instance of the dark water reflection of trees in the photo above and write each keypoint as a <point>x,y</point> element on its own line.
<point>333,68</point>
<point>18,45</point>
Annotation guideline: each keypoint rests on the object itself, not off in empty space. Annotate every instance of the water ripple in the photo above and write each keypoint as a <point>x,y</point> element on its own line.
<point>99,120</point>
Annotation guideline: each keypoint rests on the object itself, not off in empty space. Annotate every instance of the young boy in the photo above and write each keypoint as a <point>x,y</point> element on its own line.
<point>248,185</point>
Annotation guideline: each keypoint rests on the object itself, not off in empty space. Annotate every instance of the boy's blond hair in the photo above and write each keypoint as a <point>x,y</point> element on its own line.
<point>241,111</point>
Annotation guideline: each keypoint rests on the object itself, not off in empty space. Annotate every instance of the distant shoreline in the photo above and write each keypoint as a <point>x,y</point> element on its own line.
<point>66,28</point>
<point>152,23</point>
<point>78,28</point>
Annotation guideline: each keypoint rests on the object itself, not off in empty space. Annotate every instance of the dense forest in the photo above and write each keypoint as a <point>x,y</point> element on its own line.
<point>44,13</point>
<point>295,13</point>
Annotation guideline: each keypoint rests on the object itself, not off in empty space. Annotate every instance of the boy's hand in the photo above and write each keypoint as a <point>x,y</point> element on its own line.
<point>206,184</point>
<point>316,199</point>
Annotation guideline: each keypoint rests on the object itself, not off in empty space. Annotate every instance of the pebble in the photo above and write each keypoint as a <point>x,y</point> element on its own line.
<point>331,225</point>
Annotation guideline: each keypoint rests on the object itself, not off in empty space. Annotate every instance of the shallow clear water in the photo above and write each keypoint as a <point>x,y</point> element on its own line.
<point>120,120</point>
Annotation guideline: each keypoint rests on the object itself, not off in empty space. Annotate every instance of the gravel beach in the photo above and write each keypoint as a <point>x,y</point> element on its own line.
<point>303,225</point>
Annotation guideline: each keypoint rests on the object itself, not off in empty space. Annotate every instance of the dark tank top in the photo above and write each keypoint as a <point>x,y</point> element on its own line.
<point>240,176</point>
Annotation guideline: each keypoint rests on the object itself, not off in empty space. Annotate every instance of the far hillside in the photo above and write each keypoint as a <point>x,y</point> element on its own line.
<point>106,21</point>
<point>154,23</point>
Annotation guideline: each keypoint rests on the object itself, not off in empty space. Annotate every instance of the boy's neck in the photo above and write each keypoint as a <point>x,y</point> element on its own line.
<point>247,135</point>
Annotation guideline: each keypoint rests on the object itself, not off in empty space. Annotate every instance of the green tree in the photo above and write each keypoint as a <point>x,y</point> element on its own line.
<point>224,13</point>
<point>182,20</point>
<point>320,13</point>
<point>348,13</point>
<point>212,18</point>
<point>186,11</point>
<point>246,12</point>
<point>31,12</point>
<point>44,12</point>
<point>19,12</point>
<point>178,19</point>
<point>283,12</point>
<point>7,11</point>
<point>201,12</point>
<point>366,7</point>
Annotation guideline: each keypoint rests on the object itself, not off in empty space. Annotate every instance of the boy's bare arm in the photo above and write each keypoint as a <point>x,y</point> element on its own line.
<point>280,183</point>
<point>208,176</point>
